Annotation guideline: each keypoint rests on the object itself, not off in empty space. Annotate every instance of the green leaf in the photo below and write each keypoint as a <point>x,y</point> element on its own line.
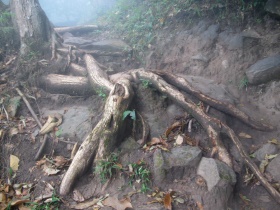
<point>133,115</point>
<point>125,114</point>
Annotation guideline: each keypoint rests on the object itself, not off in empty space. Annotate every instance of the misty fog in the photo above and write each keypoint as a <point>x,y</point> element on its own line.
<point>74,12</point>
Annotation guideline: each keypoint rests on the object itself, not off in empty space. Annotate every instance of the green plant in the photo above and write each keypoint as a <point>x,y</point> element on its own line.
<point>53,204</point>
<point>5,18</point>
<point>243,83</point>
<point>108,167</point>
<point>145,83</point>
<point>101,93</point>
<point>130,113</point>
<point>142,174</point>
<point>58,133</point>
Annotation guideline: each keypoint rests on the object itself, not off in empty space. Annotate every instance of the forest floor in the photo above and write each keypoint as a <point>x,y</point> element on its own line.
<point>171,52</point>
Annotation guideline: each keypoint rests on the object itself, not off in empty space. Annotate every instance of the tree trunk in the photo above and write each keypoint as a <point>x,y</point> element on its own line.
<point>32,24</point>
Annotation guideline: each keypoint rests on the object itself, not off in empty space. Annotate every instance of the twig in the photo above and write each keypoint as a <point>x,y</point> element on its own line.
<point>29,107</point>
<point>40,151</point>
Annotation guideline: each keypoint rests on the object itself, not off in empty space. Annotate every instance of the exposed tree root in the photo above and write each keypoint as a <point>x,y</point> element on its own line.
<point>63,84</point>
<point>97,77</point>
<point>213,126</point>
<point>101,141</point>
<point>225,107</point>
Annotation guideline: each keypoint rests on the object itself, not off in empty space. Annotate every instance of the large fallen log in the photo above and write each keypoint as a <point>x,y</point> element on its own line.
<point>103,138</point>
<point>64,84</point>
<point>76,29</point>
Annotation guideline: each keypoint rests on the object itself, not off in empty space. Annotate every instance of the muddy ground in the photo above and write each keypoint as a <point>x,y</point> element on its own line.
<point>224,57</point>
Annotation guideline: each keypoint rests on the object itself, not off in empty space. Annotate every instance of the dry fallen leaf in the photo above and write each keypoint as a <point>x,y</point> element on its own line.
<point>179,140</point>
<point>85,204</point>
<point>244,135</point>
<point>274,141</point>
<point>14,162</point>
<point>13,131</point>
<point>117,204</point>
<point>50,171</point>
<point>77,196</point>
<point>167,201</point>
<point>199,205</point>
<point>60,161</point>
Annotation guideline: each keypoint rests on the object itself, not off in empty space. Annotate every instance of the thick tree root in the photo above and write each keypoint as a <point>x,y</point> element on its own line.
<point>103,138</point>
<point>63,84</point>
<point>225,107</point>
<point>97,77</point>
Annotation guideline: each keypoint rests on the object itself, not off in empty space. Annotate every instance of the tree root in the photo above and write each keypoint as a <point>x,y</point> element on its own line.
<point>225,107</point>
<point>103,138</point>
<point>213,126</point>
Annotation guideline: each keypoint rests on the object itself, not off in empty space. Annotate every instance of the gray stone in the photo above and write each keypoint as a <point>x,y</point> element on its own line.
<point>200,57</point>
<point>113,45</point>
<point>76,121</point>
<point>266,149</point>
<point>236,42</point>
<point>273,168</point>
<point>273,6</point>
<point>159,172</point>
<point>77,41</point>
<point>181,161</point>
<point>264,70</point>
<point>214,171</point>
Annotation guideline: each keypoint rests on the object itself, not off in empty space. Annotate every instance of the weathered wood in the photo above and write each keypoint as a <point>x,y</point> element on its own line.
<point>76,29</point>
<point>63,84</point>
<point>77,70</point>
<point>97,77</point>
<point>103,138</point>
<point>225,107</point>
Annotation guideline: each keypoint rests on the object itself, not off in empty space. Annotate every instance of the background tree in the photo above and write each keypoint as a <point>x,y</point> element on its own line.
<point>31,23</point>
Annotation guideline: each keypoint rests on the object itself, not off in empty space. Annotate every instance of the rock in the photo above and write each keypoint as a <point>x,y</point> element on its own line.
<point>273,7</point>
<point>180,161</point>
<point>112,46</point>
<point>266,149</point>
<point>200,57</point>
<point>264,70</point>
<point>77,41</point>
<point>159,172</point>
<point>76,121</point>
<point>273,168</point>
<point>225,64</point>
<point>214,171</point>
<point>236,42</point>
<point>210,88</point>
